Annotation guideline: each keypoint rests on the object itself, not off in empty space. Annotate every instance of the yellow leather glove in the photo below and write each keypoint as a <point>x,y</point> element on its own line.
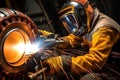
<point>58,64</point>
<point>44,32</point>
<point>71,41</point>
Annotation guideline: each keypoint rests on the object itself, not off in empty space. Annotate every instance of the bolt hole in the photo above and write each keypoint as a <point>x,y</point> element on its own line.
<point>4,23</point>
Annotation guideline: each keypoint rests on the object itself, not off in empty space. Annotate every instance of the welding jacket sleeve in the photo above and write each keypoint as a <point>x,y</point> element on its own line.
<point>102,42</point>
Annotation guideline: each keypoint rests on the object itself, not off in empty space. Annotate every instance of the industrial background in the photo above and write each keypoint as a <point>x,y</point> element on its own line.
<point>44,13</point>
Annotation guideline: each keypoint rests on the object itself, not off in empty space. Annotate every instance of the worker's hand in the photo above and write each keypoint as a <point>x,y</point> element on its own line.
<point>71,41</point>
<point>35,61</point>
<point>53,64</point>
<point>50,60</point>
<point>45,33</point>
<point>58,64</point>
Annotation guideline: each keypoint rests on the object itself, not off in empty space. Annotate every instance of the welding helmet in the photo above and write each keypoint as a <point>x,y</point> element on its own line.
<point>74,18</point>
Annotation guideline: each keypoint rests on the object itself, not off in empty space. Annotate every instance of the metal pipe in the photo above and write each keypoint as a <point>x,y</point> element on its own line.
<point>34,75</point>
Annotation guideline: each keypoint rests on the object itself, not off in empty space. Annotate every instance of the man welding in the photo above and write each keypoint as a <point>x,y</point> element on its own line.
<point>90,30</point>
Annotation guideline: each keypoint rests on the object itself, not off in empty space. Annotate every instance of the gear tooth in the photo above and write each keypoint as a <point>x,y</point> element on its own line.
<point>1,14</point>
<point>4,12</point>
<point>13,11</point>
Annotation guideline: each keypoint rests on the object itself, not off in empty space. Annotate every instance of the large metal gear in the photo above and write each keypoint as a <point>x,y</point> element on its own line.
<point>15,28</point>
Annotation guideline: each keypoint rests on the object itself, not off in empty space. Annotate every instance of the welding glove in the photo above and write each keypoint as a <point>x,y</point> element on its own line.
<point>58,64</point>
<point>47,34</point>
<point>51,60</point>
<point>35,61</point>
<point>44,32</point>
<point>43,35</point>
<point>70,41</point>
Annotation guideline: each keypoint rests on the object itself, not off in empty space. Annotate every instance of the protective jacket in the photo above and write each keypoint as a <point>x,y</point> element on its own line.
<point>103,36</point>
<point>98,42</point>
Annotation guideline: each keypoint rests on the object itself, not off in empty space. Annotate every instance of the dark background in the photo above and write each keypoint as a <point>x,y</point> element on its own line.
<point>44,12</point>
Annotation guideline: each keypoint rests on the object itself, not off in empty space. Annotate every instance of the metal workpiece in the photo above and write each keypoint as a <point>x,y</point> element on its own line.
<point>16,28</point>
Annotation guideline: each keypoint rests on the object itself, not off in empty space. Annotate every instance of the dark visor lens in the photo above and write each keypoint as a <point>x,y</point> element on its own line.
<point>70,23</point>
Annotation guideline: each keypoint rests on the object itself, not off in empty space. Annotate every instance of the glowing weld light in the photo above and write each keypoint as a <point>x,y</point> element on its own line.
<point>19,47</point>
<point>27,48</point>
<point>31,48</point>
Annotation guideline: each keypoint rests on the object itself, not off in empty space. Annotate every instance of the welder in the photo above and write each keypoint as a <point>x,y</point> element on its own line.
<point>90,30</point>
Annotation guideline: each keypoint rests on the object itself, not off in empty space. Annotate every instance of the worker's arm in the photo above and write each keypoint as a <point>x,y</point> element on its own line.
<point>102,43</point>
<point>71,41</point>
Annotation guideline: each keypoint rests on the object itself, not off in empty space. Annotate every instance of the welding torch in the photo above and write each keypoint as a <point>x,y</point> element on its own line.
<point>44,43</point>
<point>48,43</point>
